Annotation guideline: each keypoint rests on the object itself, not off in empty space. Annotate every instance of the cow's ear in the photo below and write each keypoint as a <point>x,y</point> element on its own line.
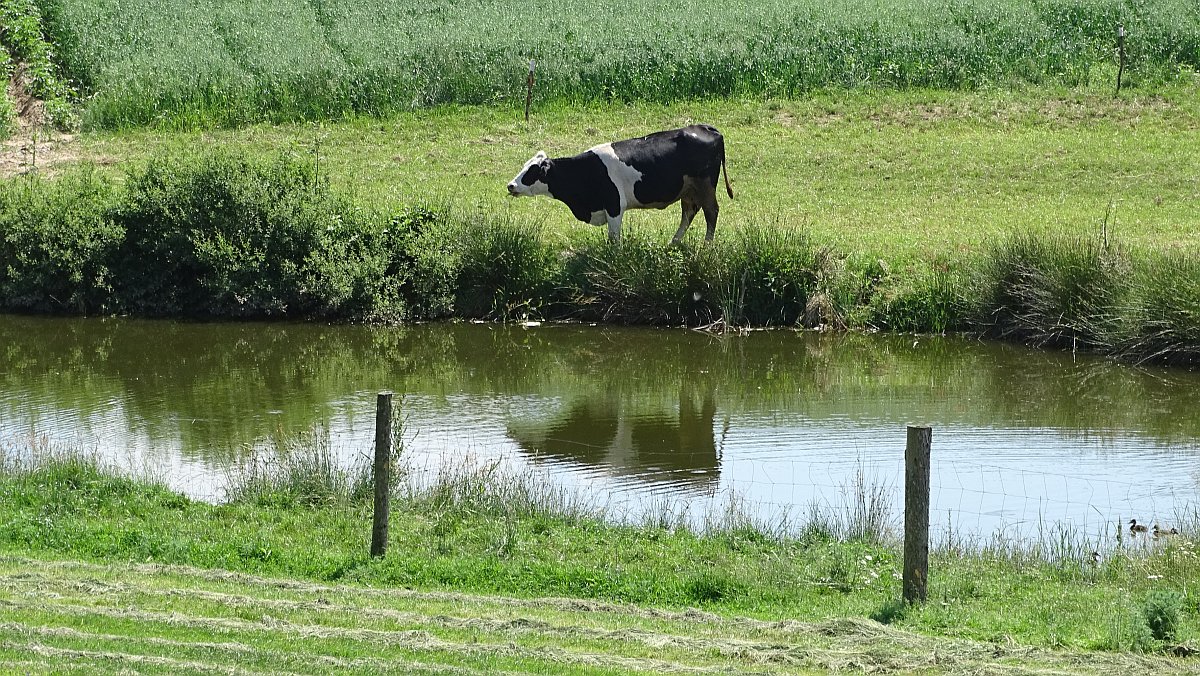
<point>544,165</point>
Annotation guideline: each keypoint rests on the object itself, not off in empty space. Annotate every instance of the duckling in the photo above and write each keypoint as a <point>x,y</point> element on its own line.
<point>1135,527</point>
<point>1164,531</point>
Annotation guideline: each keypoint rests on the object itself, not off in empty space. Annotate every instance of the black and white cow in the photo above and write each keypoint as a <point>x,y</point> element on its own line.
<point>650,172</point>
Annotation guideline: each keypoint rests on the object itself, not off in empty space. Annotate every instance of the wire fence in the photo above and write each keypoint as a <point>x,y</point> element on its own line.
<point>1090,497</point>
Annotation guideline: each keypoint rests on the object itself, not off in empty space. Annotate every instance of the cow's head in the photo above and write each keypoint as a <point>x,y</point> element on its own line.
<point>531,180</point>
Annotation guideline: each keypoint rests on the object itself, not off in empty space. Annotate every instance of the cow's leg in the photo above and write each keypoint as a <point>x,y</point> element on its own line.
<point>690,209</point>
<point>709,203</point>
<point>614,229</point>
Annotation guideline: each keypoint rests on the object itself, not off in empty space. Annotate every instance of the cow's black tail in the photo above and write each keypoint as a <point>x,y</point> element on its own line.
<point>728,188</point>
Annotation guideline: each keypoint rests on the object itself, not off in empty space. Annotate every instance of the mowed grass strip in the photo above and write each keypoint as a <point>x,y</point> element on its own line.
<point>72,614</point>
<point>539,626</point>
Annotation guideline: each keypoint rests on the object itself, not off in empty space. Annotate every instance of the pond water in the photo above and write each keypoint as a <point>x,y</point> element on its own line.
<point>783,420</point>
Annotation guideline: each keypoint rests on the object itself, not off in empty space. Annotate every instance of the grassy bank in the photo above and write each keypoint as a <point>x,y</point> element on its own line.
<point>185,64</point>
<point>480,531</point>
<point>225,233</point>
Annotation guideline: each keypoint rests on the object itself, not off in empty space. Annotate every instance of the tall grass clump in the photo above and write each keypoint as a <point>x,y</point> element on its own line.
<point>1051,292</point>
<point>1161,315</point>
<point>296,470</point>
<point>757,276</point>
<point>508,271</point>
<point>57,242</point>
<point>770,276</point>
<point>640,281</point>
<point>177,63</point>
<point>1047,291</point>
<point>468,486</point>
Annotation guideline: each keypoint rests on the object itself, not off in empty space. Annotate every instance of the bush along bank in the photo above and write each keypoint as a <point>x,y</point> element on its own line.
<point>224,236</point>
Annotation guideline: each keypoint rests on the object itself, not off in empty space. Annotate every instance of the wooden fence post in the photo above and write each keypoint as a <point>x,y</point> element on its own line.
<point>383,471</point>
<point>916,513</point>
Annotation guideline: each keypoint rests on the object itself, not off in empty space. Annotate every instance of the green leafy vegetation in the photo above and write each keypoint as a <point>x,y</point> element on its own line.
<point>8,111</point>
<point>1162,610</point>
<point>21,34</point>
<point>183,64</point>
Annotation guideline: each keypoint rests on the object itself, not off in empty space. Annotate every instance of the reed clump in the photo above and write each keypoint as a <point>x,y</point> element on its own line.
<point>1084,294</point>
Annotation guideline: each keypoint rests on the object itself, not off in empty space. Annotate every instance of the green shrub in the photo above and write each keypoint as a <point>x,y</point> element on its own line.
<point>426,253</point>
<point>56,241</point>
<point>21,35</point>
<point>1161,609</point>
<point>223,235</point>
<point>933,302</point>
<point>8,112</point>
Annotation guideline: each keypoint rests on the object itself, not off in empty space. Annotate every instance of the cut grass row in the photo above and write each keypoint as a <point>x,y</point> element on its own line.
<point>184,64</point>
<point>107,618</point>
<point>487,571</point>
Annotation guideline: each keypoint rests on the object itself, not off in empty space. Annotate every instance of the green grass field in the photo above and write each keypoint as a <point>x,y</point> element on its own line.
<point>899,176</point>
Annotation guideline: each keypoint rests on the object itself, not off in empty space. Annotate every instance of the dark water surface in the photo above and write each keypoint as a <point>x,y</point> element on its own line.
<point>782,419</point>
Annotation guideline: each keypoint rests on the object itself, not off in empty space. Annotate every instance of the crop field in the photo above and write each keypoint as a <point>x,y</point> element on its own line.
<point>211,63</point>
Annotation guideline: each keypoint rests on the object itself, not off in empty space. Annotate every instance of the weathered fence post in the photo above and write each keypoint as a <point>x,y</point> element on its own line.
<point>383,471</point>
<point>916,513</point>
<point>1120,54</point>
<point>528,90</point>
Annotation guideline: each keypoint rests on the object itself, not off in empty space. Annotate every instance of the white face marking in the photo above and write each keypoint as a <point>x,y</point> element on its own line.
<point>622,175</point>
<point>517,188</point>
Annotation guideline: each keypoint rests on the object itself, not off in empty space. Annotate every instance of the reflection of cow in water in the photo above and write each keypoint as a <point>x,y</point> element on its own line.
<point>620,437</point>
